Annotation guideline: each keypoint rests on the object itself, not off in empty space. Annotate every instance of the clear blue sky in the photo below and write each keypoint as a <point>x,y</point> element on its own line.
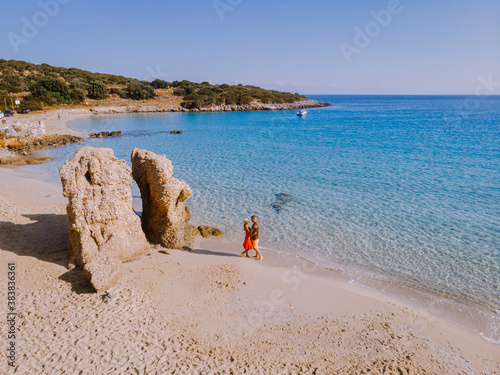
<point>427,47</point>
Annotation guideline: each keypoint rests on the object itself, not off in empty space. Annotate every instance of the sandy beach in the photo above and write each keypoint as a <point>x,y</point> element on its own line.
<point>54,124</point>
<point>205,311</point>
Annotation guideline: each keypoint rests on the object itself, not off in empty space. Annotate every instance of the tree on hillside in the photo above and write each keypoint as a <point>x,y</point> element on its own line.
<point>97,89</point>
<point>139,90</point>
<point>160,84</point>
<point>77,88</point>
<point>244,99</point>
<point>76,83</point>
<point>77,95</point>
<point>50,87</point>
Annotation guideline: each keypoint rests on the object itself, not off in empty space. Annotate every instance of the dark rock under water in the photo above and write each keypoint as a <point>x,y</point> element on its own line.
<point>281,200</point>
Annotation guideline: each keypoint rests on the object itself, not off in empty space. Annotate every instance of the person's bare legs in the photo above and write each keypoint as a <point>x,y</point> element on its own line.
<point>255,244</point>
<point>247,231</point>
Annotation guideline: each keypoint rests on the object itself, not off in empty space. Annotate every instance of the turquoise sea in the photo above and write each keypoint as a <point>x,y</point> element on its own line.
<point>402,191</point>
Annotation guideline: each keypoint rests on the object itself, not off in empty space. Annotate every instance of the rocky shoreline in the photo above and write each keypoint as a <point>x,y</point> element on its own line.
<point>20,150</point>
<point>223,108</point>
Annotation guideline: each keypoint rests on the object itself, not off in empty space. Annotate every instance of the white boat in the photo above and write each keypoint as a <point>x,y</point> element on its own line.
<point>302,112</point>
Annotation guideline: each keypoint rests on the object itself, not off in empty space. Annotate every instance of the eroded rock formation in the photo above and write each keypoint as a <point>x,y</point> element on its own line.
<point>217,232</point>
<point>206,231</point>
<point>101,220</point>
<point>103,273</point>
<point>106,134</point>
<point>165,219</point>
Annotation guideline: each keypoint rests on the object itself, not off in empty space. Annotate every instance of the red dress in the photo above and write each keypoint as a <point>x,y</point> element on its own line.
<point>247,244</point>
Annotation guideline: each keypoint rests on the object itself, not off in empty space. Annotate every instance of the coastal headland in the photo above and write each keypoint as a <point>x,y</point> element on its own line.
<point>52,92</point>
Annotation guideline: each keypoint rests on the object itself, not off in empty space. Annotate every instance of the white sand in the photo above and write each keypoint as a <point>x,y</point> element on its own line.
<point>207,311</point>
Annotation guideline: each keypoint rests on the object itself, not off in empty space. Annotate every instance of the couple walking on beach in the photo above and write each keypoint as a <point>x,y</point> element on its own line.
<point>251,238</point>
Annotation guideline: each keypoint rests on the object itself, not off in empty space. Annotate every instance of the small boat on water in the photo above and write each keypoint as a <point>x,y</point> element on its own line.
<point>302,112</point>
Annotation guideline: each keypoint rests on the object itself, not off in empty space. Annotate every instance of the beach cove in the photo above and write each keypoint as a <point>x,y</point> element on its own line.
<point>285,315</point>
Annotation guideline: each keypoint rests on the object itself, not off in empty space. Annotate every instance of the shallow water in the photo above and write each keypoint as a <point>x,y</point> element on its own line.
<point>386,188</point>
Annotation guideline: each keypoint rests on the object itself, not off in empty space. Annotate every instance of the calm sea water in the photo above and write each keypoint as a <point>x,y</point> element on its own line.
<point>396,188</point>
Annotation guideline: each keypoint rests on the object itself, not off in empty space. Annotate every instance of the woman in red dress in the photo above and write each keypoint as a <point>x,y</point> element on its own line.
<point>247,244</point>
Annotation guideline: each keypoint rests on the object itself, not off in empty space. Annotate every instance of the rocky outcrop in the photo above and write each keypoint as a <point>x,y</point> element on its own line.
<point>23,129</point>
<point>206,231</point>
<point>262,107</point>
<point>217,232</point>
<point>103,273</point>
<point>135,108</point>
<point>255,106</point>
<point>102,222</point>
<point>165,219</point>
<point>196,232</point>
<point>23,160</point>
<point>18,150</point>
<point>281,200</point>
<point>22,144</point>
<point>106,134</point>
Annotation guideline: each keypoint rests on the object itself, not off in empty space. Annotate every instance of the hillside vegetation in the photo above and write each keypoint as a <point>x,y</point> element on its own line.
<point>42,86</point>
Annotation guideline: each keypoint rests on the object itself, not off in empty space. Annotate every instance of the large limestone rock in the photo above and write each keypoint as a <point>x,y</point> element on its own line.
<point>102,222</point>
<point>103,273</point>
<point>205,231</point>
<point>165,219</point>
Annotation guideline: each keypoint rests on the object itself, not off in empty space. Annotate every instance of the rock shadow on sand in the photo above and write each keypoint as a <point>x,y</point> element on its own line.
<point>45,237</point>
<point>78,283</point>
<point>216,253</point>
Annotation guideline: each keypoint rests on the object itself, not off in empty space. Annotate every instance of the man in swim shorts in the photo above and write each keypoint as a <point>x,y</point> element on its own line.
<point>255,237</point>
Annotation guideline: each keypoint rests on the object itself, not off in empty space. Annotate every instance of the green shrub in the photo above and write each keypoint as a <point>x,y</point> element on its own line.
<point>33,105</point>
<point>244,99</point>
<point>190,104</point>
<point>5,101</point>
<point>120,92</point>
<point>37,103</point>
<point>97,89</point>
<point>51,87</point>
<point>77,83</point>
<point>231,99</point>
<point>160,84</point>
<point>179,92</point>
<point>140,90</point>
<point>77,95</point>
